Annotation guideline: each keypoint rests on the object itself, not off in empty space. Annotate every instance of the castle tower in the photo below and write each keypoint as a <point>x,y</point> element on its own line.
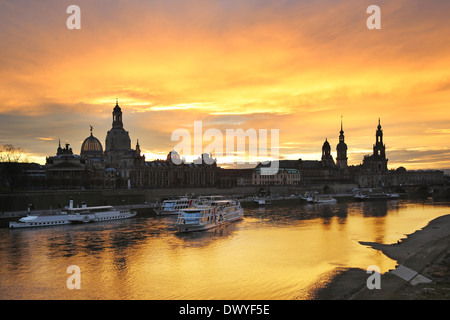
<point>341,148</point>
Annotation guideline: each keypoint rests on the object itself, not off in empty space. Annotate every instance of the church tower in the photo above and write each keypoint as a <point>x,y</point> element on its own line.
<point>341,159</point>
<point>377,162</point>
<point>327,158</point>
<point>117,139</point>
<point>379,149</point>
<point>117,116</point>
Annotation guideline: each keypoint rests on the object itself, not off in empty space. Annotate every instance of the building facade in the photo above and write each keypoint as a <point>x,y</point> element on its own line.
<point>66,170</point>
<point>284,177</point>
<point>288,174</point>
<point>170,173</point>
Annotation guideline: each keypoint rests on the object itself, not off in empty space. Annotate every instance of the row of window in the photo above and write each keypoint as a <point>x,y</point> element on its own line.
<point>45,223</point>
<point>261,183</point>
<point>62,222</point>
<point>109,218</point>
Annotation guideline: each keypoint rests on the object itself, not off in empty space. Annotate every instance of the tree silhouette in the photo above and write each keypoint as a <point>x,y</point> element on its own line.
<point>11,158</point>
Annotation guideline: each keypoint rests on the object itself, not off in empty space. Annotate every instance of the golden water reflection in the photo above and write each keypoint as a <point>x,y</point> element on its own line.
<point>277,252</point>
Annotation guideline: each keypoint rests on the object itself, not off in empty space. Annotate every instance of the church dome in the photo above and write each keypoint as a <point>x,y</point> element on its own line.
<point>118,139</point>
<point>91,147</point>
<point>401,169</point>
<point>174,157</point>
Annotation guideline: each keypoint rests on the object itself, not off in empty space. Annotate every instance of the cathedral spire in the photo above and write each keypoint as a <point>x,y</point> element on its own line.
<point>138,148</point>
<point>341,133</point>
<point>379,134</point>
<point>341,148</point>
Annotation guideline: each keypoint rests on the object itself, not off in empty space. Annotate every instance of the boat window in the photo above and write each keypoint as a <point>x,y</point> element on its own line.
<point>192,216</point>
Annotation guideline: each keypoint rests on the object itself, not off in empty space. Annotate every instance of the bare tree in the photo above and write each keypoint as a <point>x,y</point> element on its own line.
<point>11,169</point>
<point>11,153</point>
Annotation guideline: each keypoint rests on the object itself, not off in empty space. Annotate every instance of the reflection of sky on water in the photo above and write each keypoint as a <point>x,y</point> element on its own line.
<point>275,252</point>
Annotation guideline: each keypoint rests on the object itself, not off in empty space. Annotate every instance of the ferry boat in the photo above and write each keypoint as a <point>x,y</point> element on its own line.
<point>71,215</point>
<point>174,206</point>
<point>206,216</point>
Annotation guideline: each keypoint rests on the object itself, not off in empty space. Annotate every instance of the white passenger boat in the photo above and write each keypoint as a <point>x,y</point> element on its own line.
<point>206,216</point>
<point>202,200</point>
<point>174,206</point>
<point>70,215</point>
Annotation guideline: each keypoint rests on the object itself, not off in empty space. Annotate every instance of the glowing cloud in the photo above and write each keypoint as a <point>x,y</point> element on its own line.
<point>296,66</point>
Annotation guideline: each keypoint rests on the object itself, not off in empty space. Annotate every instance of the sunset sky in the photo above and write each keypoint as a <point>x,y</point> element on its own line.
<point>292,65</point>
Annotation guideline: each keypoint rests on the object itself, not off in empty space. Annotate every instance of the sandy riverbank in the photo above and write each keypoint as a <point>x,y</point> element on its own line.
<point>423,270</point>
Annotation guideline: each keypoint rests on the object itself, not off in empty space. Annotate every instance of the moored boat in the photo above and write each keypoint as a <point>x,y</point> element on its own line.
<point>206,216</point>
<point>308,197</point>
<point>70,215</point>
<point>174,206</point>
<point>375,195</point>
<point>326,199</point>
<point>262,201</point>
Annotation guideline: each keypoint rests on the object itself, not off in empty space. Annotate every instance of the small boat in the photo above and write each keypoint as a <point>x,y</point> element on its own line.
<point>262,201</point>
<point>174,206</point>
<point>206,216</point>
<point>394,195</point>
<point>70,215</point>
<point>324,200</point>
<point>308,197</point>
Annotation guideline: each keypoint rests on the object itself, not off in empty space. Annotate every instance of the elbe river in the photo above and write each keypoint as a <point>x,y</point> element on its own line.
<point>282,251</point>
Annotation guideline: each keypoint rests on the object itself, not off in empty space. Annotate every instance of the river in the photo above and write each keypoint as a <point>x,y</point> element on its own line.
<point>282,251</point>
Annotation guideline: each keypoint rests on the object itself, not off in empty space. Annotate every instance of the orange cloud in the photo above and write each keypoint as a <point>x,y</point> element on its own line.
<point>288,65</point>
